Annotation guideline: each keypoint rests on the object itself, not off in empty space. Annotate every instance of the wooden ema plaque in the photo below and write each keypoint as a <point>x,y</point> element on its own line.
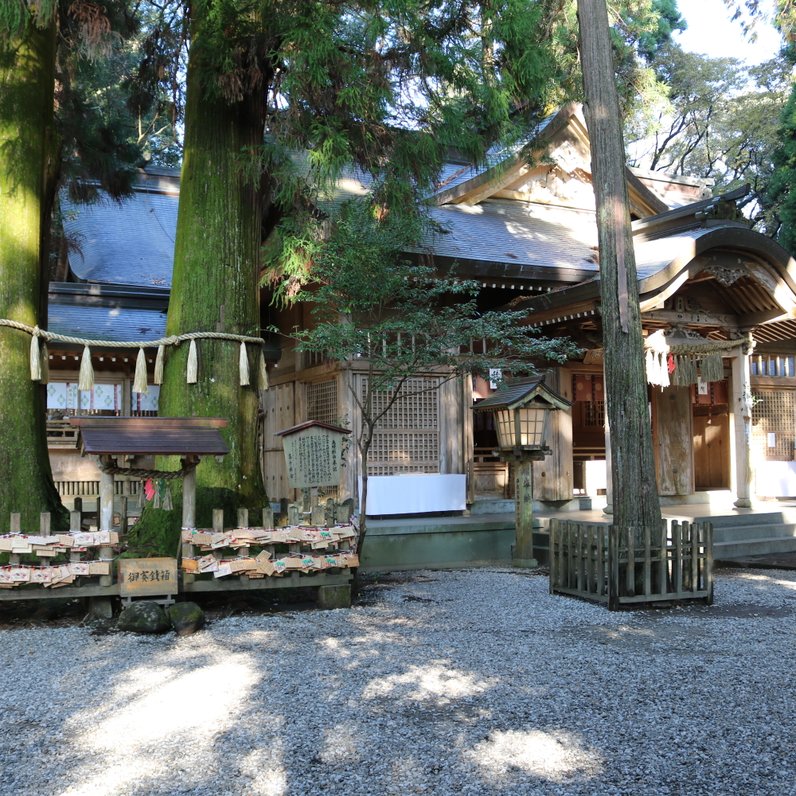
<point>147,577</point>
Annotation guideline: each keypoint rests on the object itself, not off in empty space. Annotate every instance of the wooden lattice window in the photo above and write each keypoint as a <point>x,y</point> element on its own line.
<point>774,424</point>
<point>322,401</point>
<point>407,437</point>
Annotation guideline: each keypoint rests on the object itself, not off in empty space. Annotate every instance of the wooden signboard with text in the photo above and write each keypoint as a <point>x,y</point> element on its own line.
<point>313,454</point>
<point>147,577</point>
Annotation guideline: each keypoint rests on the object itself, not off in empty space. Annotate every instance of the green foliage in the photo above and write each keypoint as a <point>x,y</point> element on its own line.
<point>369,301</point>
<point>719,122</point>
<point>158,531</point>
<point>783,182</point>
<point>16,15</point>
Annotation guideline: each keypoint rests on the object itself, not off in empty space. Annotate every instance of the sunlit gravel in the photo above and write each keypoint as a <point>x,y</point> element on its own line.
<point>475,682</point>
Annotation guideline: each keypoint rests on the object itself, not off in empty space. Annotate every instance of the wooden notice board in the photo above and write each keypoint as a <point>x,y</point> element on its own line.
<point>147,577</point>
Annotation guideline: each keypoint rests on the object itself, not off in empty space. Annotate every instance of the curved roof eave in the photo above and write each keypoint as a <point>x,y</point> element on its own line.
<point>679,265</point>
<point>724,238</point>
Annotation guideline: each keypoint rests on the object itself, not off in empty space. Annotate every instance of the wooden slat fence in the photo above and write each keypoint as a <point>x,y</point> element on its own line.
<point>602,564</point>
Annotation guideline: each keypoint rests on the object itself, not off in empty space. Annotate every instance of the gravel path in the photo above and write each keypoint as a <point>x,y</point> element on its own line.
<point>473,682</point>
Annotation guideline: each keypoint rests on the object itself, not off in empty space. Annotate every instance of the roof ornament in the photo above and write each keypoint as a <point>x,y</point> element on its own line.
<point>727,275</point>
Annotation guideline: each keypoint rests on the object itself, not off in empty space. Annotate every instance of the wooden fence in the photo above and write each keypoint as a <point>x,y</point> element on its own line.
<point>602,564</point>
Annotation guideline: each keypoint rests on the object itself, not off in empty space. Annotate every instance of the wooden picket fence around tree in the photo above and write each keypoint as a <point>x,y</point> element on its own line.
<point>605,564</point>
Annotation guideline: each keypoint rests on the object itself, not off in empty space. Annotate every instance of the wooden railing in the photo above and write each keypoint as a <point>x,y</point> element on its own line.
<point>602,563</point>
<point>60,434</point>
<point>73,488</point>
<point>489,473</point>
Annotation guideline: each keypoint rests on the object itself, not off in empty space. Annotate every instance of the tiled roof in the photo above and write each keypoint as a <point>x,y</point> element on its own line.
<point>520,233</point>
<point>106,322</point>
<point>124,243</point>
<point>653,255</point>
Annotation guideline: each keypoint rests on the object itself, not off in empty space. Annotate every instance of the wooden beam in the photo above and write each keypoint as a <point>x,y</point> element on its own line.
<point>697,318</point>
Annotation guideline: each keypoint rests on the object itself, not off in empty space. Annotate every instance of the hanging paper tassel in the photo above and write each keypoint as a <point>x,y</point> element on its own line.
<point>193,365</point>
<point>243,364</point>
<point>651,366</point>
<point>263,374</point>
<point>139,381</point>
<point>657,368</point>
<point>86,380</point>
<point>663,368</point>
<point>35,356</point>
<point>45,364</point>
<point>158,379</point>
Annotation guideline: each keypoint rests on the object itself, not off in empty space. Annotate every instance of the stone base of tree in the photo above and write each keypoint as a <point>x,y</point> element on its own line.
<point>619,568</point>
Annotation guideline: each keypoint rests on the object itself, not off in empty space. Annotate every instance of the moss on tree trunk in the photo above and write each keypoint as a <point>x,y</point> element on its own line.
<point>27,73</point>
<point>215,282</point>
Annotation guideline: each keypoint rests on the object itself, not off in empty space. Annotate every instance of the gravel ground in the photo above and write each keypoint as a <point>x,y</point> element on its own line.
<point>473,682</point>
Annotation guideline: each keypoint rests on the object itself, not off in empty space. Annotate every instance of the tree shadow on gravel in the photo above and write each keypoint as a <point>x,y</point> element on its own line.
<point>426,687</point>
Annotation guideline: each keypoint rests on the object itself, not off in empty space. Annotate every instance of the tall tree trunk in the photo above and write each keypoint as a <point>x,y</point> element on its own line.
<point>215,282</point>
<point>27,76</point>
<point>635,495</point>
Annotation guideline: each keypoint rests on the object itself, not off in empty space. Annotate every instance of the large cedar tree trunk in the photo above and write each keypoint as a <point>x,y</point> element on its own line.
<point>27,73</point>
<point>635,495</point>
<point>215,283</point>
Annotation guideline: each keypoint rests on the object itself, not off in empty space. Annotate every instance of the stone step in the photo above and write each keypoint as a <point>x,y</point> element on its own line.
<point>785,515</point>
<point>728,551</point>
<point>740,533</point>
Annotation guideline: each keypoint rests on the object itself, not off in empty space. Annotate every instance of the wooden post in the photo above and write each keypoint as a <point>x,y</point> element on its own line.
<point>105,518</point>
<point>741,419</point>
<point>189,498</point>
<point>15,527</point>
<point>268,517</point>
<point>45,520</point>
<point>522,554</point>
<point>330,513</point>
<point>75,525</point>
<point>218,520</point>
<point>123,514</point>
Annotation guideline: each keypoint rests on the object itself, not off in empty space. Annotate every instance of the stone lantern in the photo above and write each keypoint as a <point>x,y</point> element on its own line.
<point>521,410</point>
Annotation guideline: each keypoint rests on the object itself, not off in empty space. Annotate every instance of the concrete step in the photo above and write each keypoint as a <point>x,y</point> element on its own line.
<point>492,506</point>
<point>784,515</point>
<point>739,533</point>
<point>728,551</point>
<point>507,506</point>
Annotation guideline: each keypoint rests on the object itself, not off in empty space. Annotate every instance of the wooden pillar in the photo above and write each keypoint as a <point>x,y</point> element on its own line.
<point>522,553</point>
<point>673,440</point>
<point>741,425</point>
<point>189,498</point>
<point>553,475</point>
<point>105,518</point>
<point>188,513</point>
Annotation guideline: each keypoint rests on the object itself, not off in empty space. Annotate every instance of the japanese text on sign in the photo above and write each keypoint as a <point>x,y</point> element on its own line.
<point>147,576</point>
<point>312,459</point>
